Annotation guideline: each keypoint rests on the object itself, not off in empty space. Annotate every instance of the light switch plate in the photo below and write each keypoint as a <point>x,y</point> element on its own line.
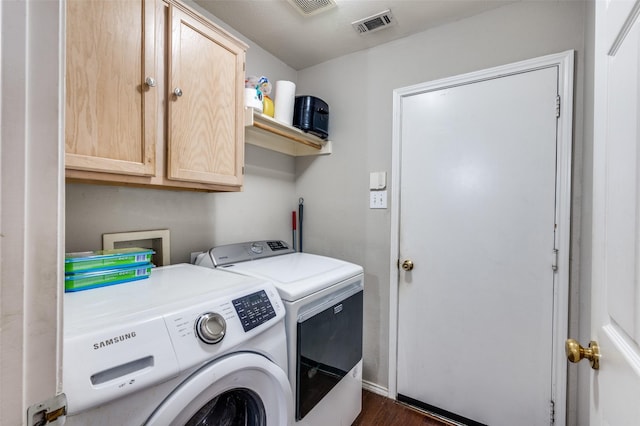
<point>378,199</point>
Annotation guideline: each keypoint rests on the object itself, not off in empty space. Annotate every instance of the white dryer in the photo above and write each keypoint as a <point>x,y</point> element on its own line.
<point>188,346</point>
<point>323,298</point>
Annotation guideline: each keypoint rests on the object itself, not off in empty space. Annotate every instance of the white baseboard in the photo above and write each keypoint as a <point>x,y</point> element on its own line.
<point>375,388</point>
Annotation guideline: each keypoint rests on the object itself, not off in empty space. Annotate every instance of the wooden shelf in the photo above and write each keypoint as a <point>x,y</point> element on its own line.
<point>265,132</point>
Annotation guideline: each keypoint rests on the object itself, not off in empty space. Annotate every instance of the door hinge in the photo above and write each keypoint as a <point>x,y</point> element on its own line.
<point>554,262</point>
<point>557,106</point>
<point>49,412</point>
<point>553,412</point>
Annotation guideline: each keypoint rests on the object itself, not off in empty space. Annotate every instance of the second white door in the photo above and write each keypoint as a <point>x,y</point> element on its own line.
<point>478,219</point>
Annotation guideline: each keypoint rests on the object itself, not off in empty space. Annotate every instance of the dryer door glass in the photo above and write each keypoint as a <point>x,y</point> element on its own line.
<point>329,345</point>
<point>238,407</point>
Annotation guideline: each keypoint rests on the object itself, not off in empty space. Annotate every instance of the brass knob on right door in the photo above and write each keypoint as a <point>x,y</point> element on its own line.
<point>407,265</point>
<point>576,353</point>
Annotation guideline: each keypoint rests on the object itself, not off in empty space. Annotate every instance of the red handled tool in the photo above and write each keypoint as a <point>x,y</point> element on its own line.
<point>300,211</point>
<point>294,226</point>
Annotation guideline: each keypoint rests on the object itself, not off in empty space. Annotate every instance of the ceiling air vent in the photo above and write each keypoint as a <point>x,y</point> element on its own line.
<point>375,22</point>
<point>312,7</point>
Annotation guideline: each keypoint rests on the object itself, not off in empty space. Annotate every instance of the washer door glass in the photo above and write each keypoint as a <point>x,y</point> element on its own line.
<point>238,407</point>
<point>245,387</point>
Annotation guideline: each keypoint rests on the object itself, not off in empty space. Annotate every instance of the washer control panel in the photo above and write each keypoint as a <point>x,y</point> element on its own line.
<point>254,309</point>
<point>211,327</point>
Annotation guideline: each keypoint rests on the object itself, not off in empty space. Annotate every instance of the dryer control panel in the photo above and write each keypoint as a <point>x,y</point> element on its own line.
<point>242,252</point>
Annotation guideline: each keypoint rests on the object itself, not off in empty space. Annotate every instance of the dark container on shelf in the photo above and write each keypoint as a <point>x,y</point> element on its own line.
<point>311,115</point>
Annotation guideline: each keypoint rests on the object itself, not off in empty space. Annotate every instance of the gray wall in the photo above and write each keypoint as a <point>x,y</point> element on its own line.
<point>338,222</point>
<point>358,89</point>
<point>196,220</point>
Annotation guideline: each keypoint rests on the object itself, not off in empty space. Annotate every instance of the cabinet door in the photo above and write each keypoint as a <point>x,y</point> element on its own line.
<point>110,110</point>
<point>205,102</point>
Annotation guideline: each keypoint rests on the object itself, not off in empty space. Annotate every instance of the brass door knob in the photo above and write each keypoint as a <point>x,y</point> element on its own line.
<point>575,352</point>
<point>407,265</point>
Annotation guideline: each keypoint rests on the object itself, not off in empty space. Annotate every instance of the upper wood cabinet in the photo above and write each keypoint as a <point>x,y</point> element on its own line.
<point>110,112</point>
<point>206,104</point>
<point>154,97</point>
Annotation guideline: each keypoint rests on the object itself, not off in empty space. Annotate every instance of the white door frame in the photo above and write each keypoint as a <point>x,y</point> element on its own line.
<point>31,204</point>
<point>564,62</point>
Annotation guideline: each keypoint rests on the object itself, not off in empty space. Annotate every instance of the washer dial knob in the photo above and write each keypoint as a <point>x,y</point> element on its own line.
<point>211,328</point>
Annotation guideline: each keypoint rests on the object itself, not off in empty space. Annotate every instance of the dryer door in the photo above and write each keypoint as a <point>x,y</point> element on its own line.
<point>241,389</point>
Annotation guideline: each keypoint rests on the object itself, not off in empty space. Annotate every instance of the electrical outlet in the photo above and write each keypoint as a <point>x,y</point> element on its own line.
<point>378,199</point>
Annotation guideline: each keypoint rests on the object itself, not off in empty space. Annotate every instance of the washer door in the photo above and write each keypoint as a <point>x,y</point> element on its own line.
<point>241,389</point>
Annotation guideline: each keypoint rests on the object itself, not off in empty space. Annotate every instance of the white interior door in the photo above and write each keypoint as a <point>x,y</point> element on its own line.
<point>479,219</point>
<point>616,229</point>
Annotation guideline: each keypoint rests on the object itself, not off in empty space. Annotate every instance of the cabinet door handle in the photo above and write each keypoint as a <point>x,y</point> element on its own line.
<point>150,81</point>
<point>177,91</point>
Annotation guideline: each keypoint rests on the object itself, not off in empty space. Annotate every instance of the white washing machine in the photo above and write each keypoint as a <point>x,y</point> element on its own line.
<point>323,301</point>
<point>187,346</point>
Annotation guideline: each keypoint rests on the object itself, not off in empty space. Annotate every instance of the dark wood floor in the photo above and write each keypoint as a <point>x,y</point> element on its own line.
<point>381,411</point>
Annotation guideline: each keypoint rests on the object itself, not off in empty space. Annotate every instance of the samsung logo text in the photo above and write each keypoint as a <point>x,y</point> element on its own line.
<point>114,340</point>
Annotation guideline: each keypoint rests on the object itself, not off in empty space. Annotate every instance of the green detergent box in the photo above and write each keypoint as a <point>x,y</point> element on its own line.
<point>106,259</point>
<point>104,277</point>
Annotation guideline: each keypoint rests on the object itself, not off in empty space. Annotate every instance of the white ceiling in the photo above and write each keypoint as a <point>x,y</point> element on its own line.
<point>301,42</point>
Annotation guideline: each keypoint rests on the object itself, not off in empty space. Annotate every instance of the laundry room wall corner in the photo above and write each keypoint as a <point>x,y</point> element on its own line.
<point>358,89</point>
